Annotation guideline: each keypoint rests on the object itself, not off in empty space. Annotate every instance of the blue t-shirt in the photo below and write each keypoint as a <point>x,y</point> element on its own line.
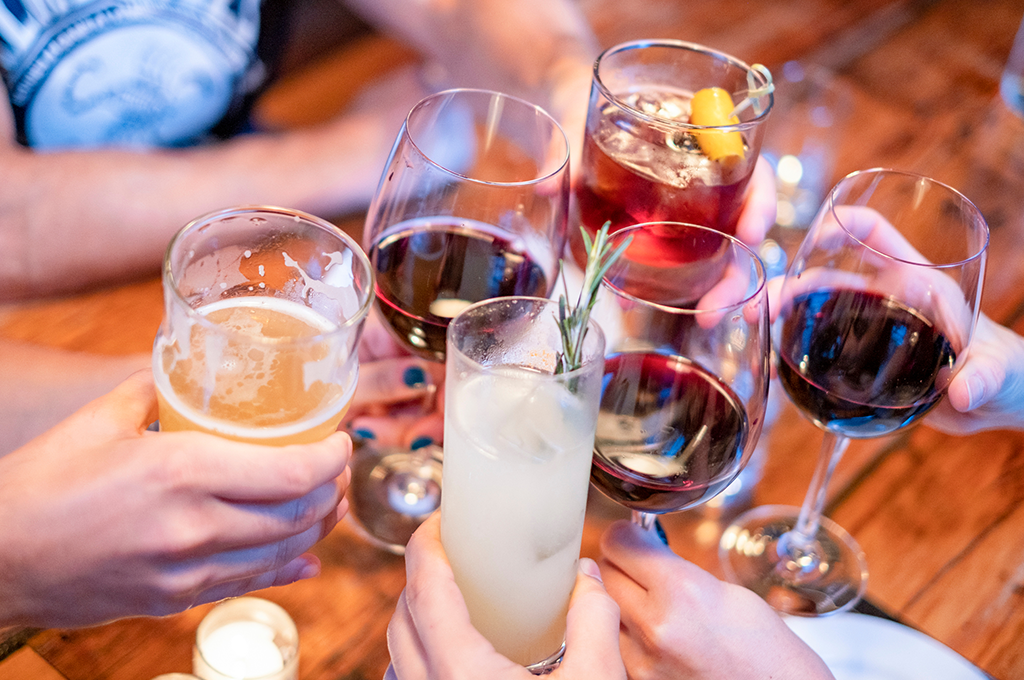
<point>133,73</point>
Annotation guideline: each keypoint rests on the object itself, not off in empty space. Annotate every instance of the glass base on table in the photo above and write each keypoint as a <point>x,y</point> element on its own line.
<point>393,491</point>
<point>752,552</point>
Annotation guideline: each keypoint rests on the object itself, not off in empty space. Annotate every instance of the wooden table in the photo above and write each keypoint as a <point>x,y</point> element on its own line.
<point>940,518</point>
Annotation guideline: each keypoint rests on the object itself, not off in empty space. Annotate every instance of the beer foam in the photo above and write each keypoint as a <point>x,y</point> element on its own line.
<point>222,359</point>
<point>336,284</point>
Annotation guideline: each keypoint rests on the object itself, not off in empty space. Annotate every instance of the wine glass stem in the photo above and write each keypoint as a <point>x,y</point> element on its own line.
<point>644,519</point>
<point>802,536</point>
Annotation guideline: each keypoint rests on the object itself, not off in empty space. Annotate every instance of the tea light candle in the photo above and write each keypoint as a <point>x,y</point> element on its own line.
<point>246,638</point>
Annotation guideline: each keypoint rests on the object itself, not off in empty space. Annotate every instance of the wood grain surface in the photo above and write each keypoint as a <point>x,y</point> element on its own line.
<point>940,518</point>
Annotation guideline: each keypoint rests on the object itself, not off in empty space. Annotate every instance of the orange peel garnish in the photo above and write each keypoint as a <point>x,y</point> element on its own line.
<point>712,106</point>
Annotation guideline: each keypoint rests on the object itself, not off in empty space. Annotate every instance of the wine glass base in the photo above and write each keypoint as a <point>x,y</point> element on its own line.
<point>392,491</point>
<point>752,556</point>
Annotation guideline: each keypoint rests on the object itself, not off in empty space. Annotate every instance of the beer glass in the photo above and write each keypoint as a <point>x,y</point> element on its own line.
<point>263,311</point>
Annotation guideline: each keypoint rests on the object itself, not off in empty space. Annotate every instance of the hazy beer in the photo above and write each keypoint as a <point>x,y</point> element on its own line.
<point>263,311</point>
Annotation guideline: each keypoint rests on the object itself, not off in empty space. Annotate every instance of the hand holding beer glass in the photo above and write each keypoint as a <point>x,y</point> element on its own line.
<point>263,312</point>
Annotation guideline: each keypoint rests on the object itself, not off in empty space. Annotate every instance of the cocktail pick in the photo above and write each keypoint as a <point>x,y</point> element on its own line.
<point>755,93</point>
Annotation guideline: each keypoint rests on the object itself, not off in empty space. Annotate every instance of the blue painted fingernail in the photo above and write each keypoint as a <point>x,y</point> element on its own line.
<point>363,433</point>
<point>414,376</point>
<point>660,531</point>
<point>420,442</point>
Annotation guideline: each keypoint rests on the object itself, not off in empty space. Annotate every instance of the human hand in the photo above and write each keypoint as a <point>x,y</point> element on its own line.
<point>102,519</point>
<point>759,206</point>
<point>430,635</point>
<point>399,397</point>
<point>988,392</point>
<point>678,621</point>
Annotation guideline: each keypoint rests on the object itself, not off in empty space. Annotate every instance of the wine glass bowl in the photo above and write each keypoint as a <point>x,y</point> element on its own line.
<point>875,317</point>
<point>686,379</point>
<point>472,204</point>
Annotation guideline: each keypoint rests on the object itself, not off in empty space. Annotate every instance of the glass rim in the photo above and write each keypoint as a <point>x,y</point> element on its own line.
<point>592,326</point>
<point>831,205</point>
<point>494,94</point>
<point>285,625</point>
<point>759,268</point>
<point>169,281</point>
<point>670,122</point>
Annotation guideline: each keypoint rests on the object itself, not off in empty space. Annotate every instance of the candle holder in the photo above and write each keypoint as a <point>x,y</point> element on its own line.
<point>246,638</point>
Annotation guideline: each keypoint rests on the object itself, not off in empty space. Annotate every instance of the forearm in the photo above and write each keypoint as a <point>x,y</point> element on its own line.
<point>46,385</point>
<point>539,50</point>
<point>71,219</point>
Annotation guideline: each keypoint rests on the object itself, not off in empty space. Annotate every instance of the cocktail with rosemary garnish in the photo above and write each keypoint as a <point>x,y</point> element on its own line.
<point>521,401</point>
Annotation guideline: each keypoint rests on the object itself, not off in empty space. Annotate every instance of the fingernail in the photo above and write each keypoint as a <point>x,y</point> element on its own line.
<point>660,531</point>
<point>309,571</point>
<point>414,376</point>
<point>975,391</point>
<point>590,568</point>
<point>364,433</point>
<point>420,442</point>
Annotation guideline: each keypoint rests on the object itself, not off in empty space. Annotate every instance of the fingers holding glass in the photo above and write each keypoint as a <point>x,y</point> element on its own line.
<point>875,317</point>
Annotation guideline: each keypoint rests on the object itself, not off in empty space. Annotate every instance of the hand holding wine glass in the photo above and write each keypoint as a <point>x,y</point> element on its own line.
<point>679,621</point>
<point>875,317</point>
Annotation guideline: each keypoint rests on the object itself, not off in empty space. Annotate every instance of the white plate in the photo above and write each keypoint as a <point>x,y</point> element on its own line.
<point>861,647</point>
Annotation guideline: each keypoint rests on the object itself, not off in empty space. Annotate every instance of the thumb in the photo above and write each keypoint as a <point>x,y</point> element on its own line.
<point>129,408</point>
<point>592,629</point>
<point>980,380</point>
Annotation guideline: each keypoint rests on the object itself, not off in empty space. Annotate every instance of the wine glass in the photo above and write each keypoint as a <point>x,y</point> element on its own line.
<point>876,314</point>
<point>663,140</point>
<point>263,312</point>
<point>472,205</point>
<point>685,313</point>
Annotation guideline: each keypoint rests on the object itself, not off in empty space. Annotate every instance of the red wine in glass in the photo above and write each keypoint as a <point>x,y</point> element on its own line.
<point>670,434</point>
<point>430,268</point>
<point>861,364</point>
<point>877,309</point>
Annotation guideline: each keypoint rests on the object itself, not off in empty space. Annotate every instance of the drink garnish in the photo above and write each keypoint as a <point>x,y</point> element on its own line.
<point>713,106</point>
<point>573,321</point>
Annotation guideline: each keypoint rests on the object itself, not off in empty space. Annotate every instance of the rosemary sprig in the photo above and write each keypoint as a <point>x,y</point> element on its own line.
<point>572,322</point>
